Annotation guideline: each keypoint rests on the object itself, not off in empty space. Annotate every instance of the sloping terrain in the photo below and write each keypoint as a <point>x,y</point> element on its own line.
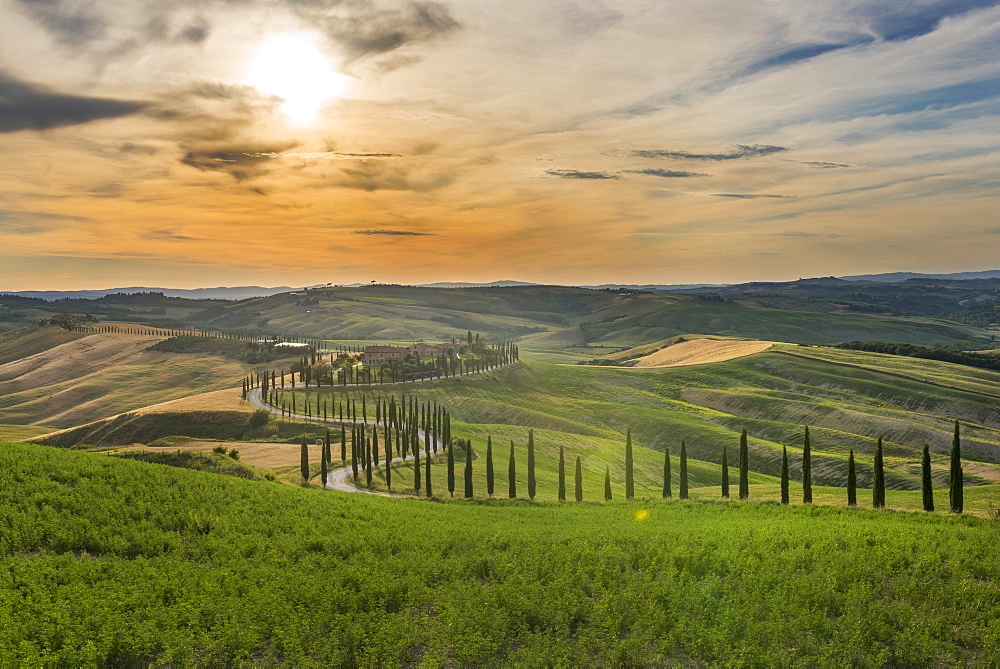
<point>702,351</point>
<point>100,375</point>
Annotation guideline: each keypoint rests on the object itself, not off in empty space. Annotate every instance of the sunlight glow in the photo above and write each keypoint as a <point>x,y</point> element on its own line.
<point>292,67</point>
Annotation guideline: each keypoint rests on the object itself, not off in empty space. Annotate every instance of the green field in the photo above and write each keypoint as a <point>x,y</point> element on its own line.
<point>110,562</point>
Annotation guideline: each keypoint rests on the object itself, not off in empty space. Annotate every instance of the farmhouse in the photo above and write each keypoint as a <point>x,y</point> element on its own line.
<point>375,355</point>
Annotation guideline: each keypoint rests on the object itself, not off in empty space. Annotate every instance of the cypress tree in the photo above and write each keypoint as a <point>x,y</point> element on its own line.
<point>579,479</point>
<point>368,464</point>
<point>562,475</point>
<point>956,489</point>
<point>511,474</point>
<point>416,471</point>
<point>607,483</point>
<point>629,472</point>
<point>451,470</point>
<point>322,469</point>
<point>343,443</point>
<point>468,469</point>
<point>427,469</point>
<point>744,466</point>
<point>784,475</point>
<point>667,483</point>
<point>725,472</point>
<point>852,481</point>
<point>531,464</point>
<point>489,465</point>
<point>354,452</point>
<point>304,460</point>
<point>878,489</point>
<point>807,488</point>
<point>925,484</point>
<point>684,471</point>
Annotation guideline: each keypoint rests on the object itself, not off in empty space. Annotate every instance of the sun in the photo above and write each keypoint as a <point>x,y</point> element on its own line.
<point>292,67</point>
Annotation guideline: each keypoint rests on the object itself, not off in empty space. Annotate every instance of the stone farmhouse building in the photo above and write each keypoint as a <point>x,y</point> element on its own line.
<point>376,355</point>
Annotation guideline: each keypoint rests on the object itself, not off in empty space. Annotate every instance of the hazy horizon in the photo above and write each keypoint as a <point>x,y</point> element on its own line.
<point>213,143</point>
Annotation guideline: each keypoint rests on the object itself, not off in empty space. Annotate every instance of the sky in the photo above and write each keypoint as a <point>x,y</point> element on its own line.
<point>268,142</point>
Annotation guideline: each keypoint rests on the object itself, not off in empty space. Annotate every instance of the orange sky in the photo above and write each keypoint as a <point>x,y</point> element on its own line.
<point>193,144</point>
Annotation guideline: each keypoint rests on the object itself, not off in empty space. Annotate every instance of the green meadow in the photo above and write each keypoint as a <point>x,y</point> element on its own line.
<point>111,562</point>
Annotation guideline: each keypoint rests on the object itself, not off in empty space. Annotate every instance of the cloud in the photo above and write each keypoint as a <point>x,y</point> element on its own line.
<point>740,152</point>
<point>394,233</point>
<point>379,175</point>
<point>679,174</point>
<point>71,26</point>
<point>752,196</point>
<point>18,222</point>
<point>800,233</point>
<point>337,155</point>
<point>165,235</point>
<point>137,149</point>
<point>822,165</point>
<point>240,162</point>
<point>900,21</point>
<point>367,30</point>
<point>577,174</point>
<point>24,106</point>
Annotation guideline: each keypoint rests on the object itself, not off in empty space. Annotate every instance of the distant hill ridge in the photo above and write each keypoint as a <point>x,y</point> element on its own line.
<point>246,292</point>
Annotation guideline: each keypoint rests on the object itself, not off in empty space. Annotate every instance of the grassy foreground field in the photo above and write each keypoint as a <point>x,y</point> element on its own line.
<point>104,561</point>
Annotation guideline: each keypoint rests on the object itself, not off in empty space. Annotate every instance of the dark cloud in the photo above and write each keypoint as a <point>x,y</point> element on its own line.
<point>24,106</point>
<point>752,196</point>
<point>70,25</point>
<point>800,233</point>
<point>17,222</point>
<point>195,32</point>
<point>240,162</point>
<point>577,174</point>
<point>363,156</point>
<point>679,174</point>
<point>740,152</point>
<point>822,165</point>
<point>137,149</point>
<point>394,233</point>
<point>365,30</point>
<point>165,235</point>
<point>992,231</point>
<point>380,175</point>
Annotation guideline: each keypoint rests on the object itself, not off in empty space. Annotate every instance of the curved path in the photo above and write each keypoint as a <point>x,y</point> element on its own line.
<point>340,479</point>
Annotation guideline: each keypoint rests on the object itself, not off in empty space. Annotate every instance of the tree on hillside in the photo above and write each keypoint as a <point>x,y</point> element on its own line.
<point>807,488</point>
<point>427,467</point>
<point>784,475</point>
<point>629,472</point>
<point>343,443</point>
<point>579,479</point>
<point>667,483</point>
<point>725,472</point>
<point>451,470</point>
<point>489,466</point>
<point>511,474</point>
<point>322,464</point>
<point>531,464</point>
<point>468,469</point>
<point>684,471</point>
<point>607,483</point>
<point>304,460</point>
<point>562,475</point>
<point>925,479</point>
<point>852,481</point>
<point>416,471</point>
<point>744,466</point>
<point>956,489</point>
<point>878,489</point>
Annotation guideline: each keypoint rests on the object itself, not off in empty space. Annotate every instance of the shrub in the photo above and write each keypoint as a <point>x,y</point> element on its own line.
<point>258,418</point>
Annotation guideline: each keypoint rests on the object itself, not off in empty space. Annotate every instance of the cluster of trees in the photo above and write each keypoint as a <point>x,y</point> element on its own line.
<point>402,426</point>
<point>313,370</point>
<point>967,358</point>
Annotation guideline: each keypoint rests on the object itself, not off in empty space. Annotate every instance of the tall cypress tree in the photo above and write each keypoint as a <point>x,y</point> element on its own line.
<point>531,464</point>
<point>956,489</point>
<point>354,452</point>
<point>684,471</point>
<point>784,475</point>
<point>667,483</point>
<point>304,460</point>
<point>489,465</point>
<point>416,471</point>
<point>579,479</point>
<point>511,474</point>
<point>926,485</point>
<point>744,466</point>
<point>852,481</point>
<point>322,465</point>
<point>451,470</point>
<point>807,487</point>
<point>343,443</point>
<point>629,472</point>
<point>725,472</point>
<point>468,469</point>
<point>427,468</point>
<point>878,489</point>
<point>562,475</point>
<point>607,483</point>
